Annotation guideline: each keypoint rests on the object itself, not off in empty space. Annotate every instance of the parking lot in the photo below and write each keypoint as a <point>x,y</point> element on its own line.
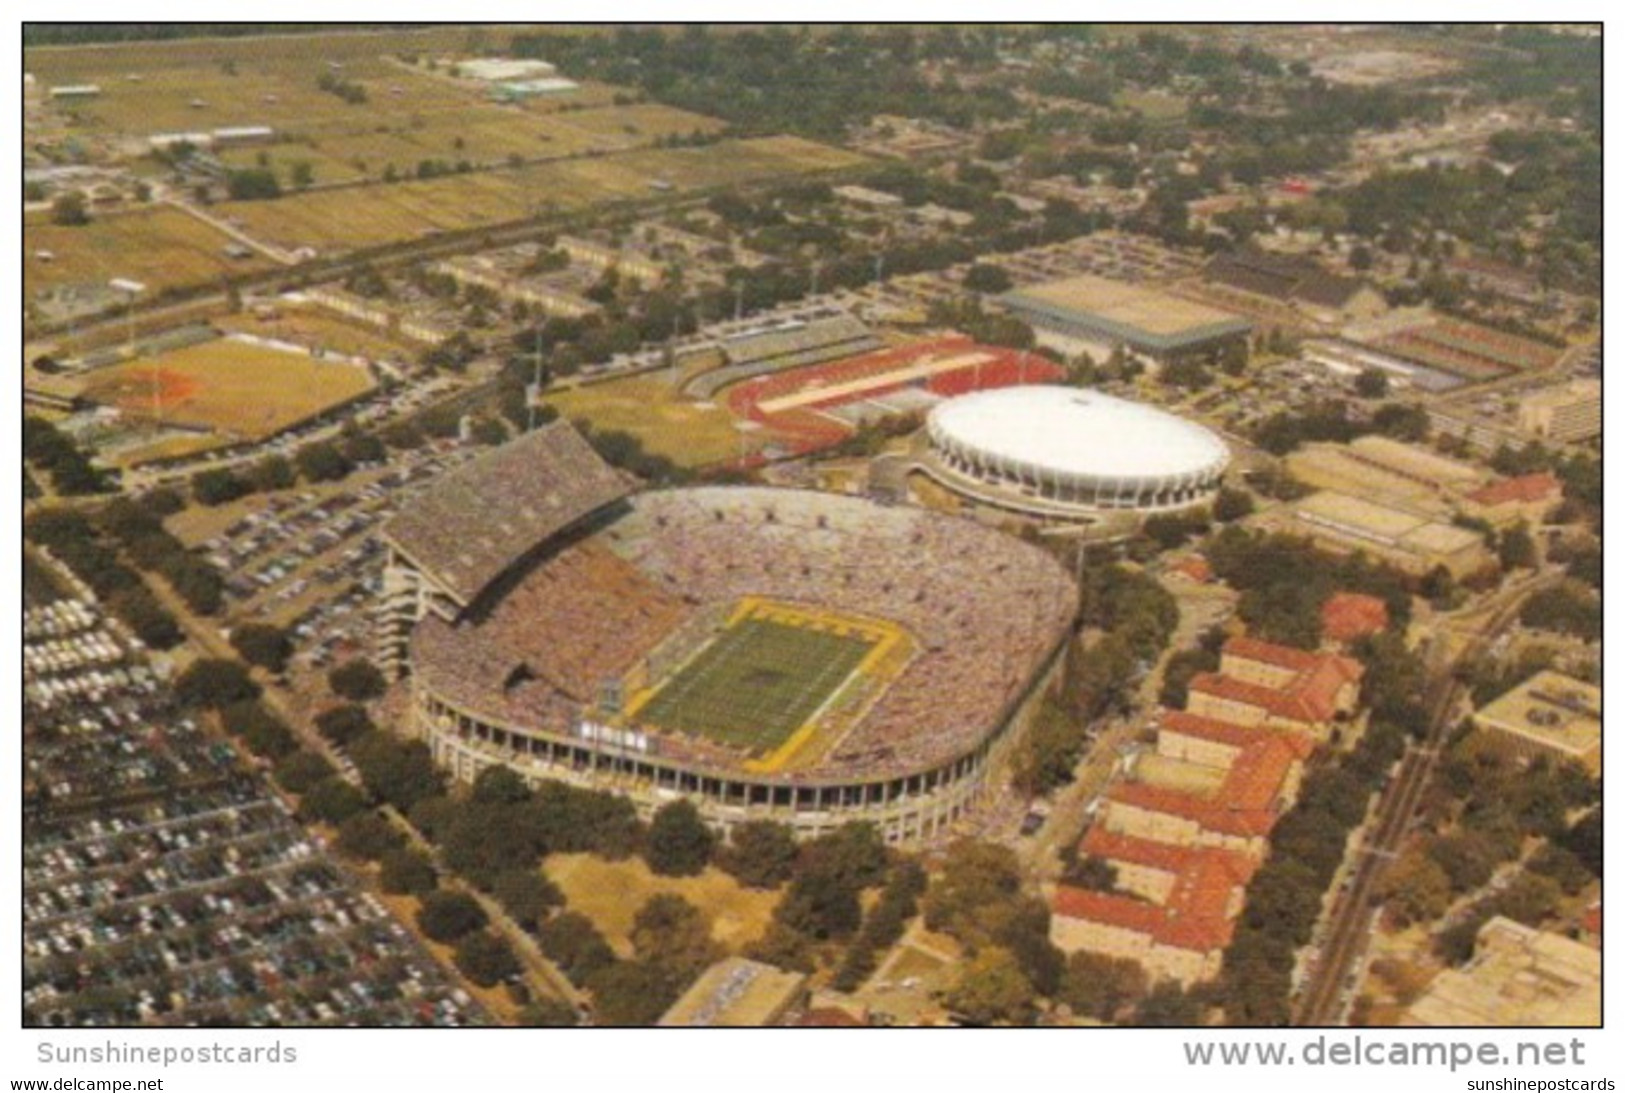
<point>165,883</point>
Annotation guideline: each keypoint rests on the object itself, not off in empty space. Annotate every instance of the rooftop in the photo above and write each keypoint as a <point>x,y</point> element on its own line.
<point>1524,489</point>
<point>1084,433</point>
<point>1346,616</point>
<point>1138,306</point>
<point>1551,709</point>
<point>735,993</point>
<point>1519,977</point>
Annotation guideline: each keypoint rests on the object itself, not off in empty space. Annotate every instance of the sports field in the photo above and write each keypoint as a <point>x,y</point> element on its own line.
<point>757,682</point>
<point>232,387</point>
<point>690,434</point>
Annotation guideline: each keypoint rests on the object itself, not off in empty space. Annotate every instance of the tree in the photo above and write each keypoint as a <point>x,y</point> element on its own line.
<point>1232,504</point>
<point>447,916</point>
<point>217,486</point>
<point>340,725</point>
<point>991,990</point>
<point>1168,1006</point>
<point>330,801</point>
<point>263,645</point>
<point>300,770</point>
<point>358,680</point>
<point>369,836</point>
<point>631,993</point>
<point>253,184</point>
<point>679,843</point>
<point>1101,986</point>
<point>1415,889</point>
<point>406,872</point>
<point>273,472</point>
<point>761,853</point>
<point>499,785</point>
<point>486,959</point>
<point>321,461</point>
<point>1371,383</point>
<point>401,772</point>
<point>984,277</point>
<point>671,932</point>
<point>213,682</point>
<point>572,942</point>
<point>527,895</point>
<point>69,210</point>
<point>1517,548</point>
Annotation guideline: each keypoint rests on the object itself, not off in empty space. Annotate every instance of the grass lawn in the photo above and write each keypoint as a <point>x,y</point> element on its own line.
<point>229,386</point>
<point>755,684</point>
<point>689,434</point>
<point>610,893</point>
<point>158,246</point>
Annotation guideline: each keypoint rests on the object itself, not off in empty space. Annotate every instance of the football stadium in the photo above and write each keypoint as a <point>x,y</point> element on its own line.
<point>1073,454</point>
<point>768,653</point>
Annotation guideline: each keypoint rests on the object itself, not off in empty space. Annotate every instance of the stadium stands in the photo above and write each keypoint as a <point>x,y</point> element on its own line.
<point>471,525</point>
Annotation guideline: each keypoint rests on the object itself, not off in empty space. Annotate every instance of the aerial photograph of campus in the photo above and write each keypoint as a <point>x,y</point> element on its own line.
<point>1080,526</point>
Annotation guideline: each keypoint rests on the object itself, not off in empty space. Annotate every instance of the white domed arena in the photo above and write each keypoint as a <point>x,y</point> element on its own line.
<point>1063,451</point>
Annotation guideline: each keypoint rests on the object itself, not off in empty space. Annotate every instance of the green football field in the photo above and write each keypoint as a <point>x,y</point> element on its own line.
<point>755,684</point>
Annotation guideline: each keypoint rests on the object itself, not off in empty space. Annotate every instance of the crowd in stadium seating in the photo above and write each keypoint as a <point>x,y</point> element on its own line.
<point>469,525</point>
<point>983,609</point>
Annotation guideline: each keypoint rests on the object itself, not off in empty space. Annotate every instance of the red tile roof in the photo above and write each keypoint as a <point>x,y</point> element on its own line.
<point>1195,567</point>
<point>1229,733</point>
<point>1196,915</point>
<point>1349,615</point>
<point>1268,652</point>
<point>1247,803</point>
<point>1167,857</point>
<point>1524,488</point>
<point>1591,921</point>
<point>1310,698</point>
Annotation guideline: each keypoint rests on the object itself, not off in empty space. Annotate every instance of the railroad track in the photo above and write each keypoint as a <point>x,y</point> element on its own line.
<point>1323,999</point>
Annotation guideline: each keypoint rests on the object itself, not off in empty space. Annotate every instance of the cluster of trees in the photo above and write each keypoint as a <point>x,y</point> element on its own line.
<point>76,543</point>
<point>1284,581</point>
<point>1485,806</point>
<point>978,898</point>
<point>779,79</point>
<point>621,449</point>
<point>1569,608</point>
<point>1136,617</point>
<point>252,184</point>
<point>1306,846</point>
<point>317,461</point>
<point>350,91</point>
<point>53,451</point>
<point>140,532</point>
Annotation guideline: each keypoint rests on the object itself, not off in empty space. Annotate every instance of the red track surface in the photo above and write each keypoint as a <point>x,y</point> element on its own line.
<point>805,429</point>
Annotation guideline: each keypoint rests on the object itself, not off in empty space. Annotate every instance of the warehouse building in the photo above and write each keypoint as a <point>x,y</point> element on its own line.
<point>1414,544</point>
<point>1568,413</point>
<point>1094,313</point>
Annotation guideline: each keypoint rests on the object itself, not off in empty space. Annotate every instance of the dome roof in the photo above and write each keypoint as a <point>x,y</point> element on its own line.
<point>1078,432</point>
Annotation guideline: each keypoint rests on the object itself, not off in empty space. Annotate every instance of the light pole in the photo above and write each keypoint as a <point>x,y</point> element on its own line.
<point>133,289</point>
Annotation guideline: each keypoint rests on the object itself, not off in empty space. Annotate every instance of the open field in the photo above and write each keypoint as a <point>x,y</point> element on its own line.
<point>610,893</point>
<point>380,214</point>
<point>484,134</point>
<point>159,246</point>
<point>229,386</point>
<point>688,433</point>
<point>756,683</point>
<point>321,330</point>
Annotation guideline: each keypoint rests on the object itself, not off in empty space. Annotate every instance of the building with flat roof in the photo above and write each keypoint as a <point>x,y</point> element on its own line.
<point>1519,977</point>
<point>1551,714</point>
<point>501,69</point>
<point>1106,313</point>
<point>1379,469</point>
<point>737,993</point>
<point>1568,412</point>
<point>1411,542</point>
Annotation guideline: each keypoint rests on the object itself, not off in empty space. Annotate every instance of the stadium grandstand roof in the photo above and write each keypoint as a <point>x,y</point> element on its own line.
<point>1081,433</point>
<point>1282,277</point>
<point>473,523</point>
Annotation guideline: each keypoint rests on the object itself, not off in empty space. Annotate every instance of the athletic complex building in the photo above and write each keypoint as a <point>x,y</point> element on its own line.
<point>1097,313</point>
<point>1070,453</point>
<point>767,653</point>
